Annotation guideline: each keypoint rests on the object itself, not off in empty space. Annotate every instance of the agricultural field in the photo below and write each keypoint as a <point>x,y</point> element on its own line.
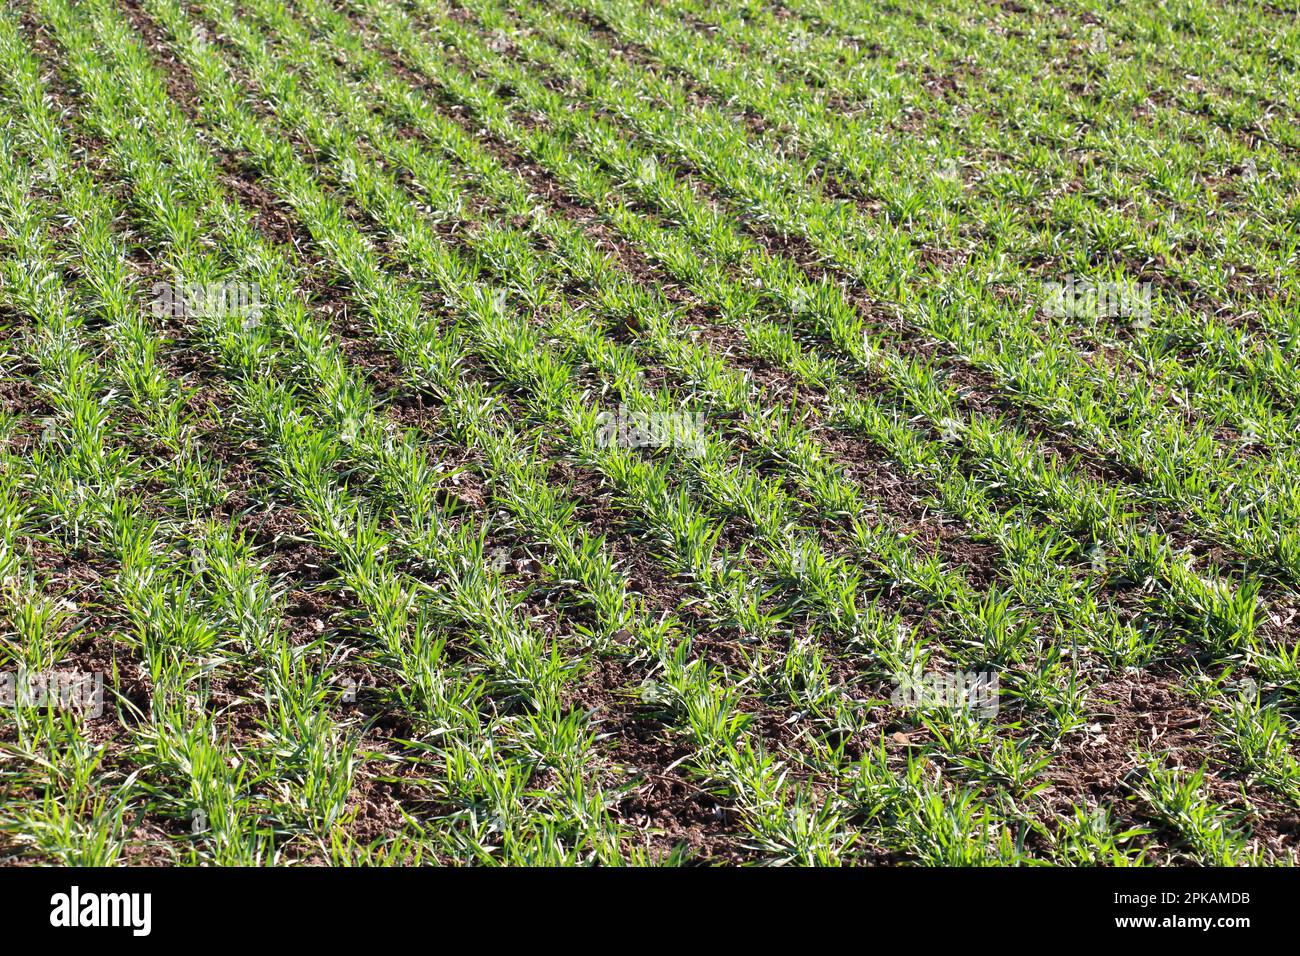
<point>548,432</point>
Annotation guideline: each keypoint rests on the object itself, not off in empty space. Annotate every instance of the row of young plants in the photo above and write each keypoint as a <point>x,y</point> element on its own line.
<point>47,751</point>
